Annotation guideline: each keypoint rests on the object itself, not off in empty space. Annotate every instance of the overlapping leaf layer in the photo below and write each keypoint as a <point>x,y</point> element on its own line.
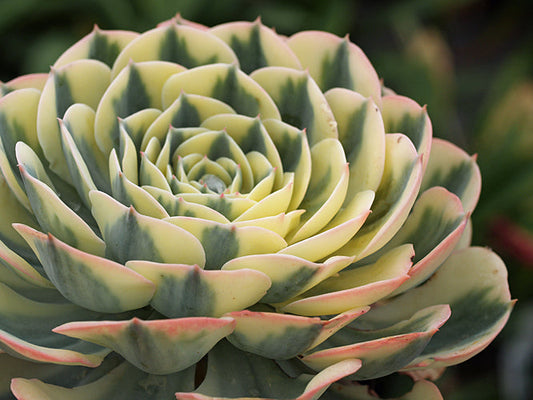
<point>228,213</point>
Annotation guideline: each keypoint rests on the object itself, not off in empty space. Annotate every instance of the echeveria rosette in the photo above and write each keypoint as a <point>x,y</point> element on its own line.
<point>224,213</point>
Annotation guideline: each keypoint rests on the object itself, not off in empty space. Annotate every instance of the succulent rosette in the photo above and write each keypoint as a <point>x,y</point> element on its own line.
<point>204,213</point>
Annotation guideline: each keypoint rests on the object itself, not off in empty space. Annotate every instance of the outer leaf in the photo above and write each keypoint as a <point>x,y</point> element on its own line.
<point>158,346</point>
<point>482,290</point>
<point>422,390</point>
<point>56,218</point>
<point>451,167</point>
<point>434,227</point>
<point>25,331</point>
<point>355,288</point>
<point>260,378</point>
<point>90,281</point>
<point>282,336</point>
<point>383,351</point>
<point>10,212</point>
<point>403,115</point>
<point>124,382</point>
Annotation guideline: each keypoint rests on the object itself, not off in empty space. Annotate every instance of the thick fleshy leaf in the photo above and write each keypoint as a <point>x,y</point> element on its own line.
<point>275,203</point>
<point>137,87</point>
<point>129,235</point>
<point>79,172</point>
<point>99,45</point>
<point>18,111</point>
<point>89,281</point>
<point>229,206</point>
<point>10,212</point>
<point>124,382</point>
<point>129,194</point>
<point>394,198</point>
<point>82,81</point>
<point>482,290</point>
<point>282,336</point>
<point>25,331</point>
<point>216,144</point>
<point>79,122</point>
<point>189,291</point>
<point>451,167</point>
<point>20,275</point>
<point>223,242</point>
<point>176,205</point>
<point>327,188</point>
<point>384,351</point>
<point>30,81</point>
<point>250,134</point>
<point>434,227</point>
<point>157,346</point>
<point>260,378</point>
<point>341,231</point>
<point>151,175</point>
<point>336,62</point>
<point>280,224</point>
<point>355,288</point>
<point>177,44</point>
<point>293,149</point>
<point>362,135</point>
<point>299,100</point>
<point>256,46</point>
<point>422,390</point>
<point>403,115</point>
<point>225,83</point>
<point>188,110</point>
<point>58,219</point>
<point>290,275</point>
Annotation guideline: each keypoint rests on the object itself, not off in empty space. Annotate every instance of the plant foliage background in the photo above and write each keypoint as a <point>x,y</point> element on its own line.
<point>470,61</point>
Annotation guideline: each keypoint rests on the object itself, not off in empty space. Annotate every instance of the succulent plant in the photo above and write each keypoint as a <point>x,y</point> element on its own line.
<point>203,213</point>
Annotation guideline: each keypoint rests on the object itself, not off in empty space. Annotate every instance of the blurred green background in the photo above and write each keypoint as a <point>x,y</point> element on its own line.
<point>470,61</point>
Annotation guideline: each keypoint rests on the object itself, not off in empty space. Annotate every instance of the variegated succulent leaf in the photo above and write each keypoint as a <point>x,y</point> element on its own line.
<point>209,213</point>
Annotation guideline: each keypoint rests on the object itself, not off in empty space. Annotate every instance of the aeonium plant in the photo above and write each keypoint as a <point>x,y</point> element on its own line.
<point>204,213</point>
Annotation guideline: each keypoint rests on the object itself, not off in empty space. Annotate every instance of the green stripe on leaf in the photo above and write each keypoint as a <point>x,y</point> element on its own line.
<point>57,218</point>
<point>155,346</point>
<point>131,236</point>
<point>299,100</point>
<point>89,281</point>
<point>189,291</point>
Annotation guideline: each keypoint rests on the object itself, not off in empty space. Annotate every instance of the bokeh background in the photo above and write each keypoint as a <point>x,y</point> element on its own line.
<point>470,61</point>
